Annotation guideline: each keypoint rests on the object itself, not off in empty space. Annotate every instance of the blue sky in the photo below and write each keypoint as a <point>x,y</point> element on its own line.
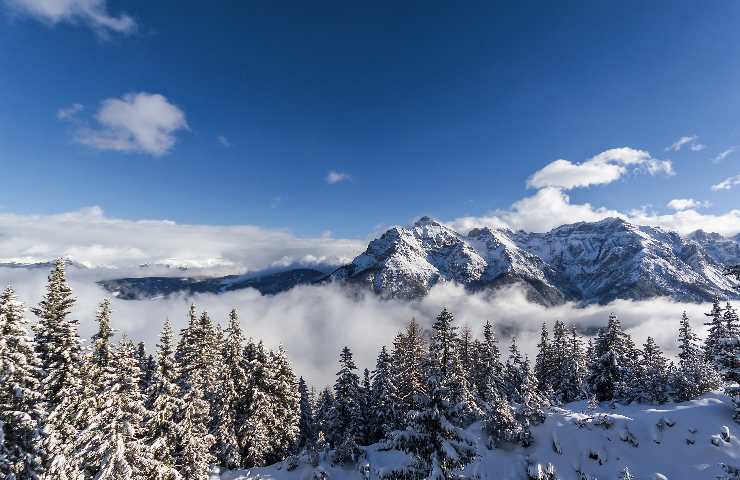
<point>431,108</point>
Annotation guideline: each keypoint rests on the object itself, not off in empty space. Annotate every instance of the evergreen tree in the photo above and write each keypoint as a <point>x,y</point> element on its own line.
<point>440,448</point>
<point>715,333</point>
<point>346,400</point>
<point>307,435</point>
<point>110,447</point>
<point>609,370</point>
<point>324,412</point>
<point>573,369</point>
<point>444,357</point>
<point>514,373</point>
<point>101,340</point>
<point>408,357</point>
<point>500,423</point>
<point>21,410</point>
<point>230,396</point>
<point>365,398</point>
<point>544,365</point>
<point>58,348</point>
<point>694,375</point>
<point>164,401</point>
<point>254,433</point>
<point>655,380</point>
<point>194,441</point>
<point>286,406</point>
<point>383,397</point>
<point>529,407</point>
<point>487,369</point>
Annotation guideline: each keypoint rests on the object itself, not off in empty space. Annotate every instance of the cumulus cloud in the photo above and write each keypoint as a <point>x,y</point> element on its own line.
<point>137,122</point>
<point>89,237</point>
<point>93,13</point>
<point>690,141</point>
<point>315,322</point>
<point>687,204</point>
<point>70,112</point>
<point>606,167</point>
<point>335,177</point>
<point>727,183</point>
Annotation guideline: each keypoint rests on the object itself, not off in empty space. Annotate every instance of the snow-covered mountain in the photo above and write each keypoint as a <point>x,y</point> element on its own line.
<point>585,262</point>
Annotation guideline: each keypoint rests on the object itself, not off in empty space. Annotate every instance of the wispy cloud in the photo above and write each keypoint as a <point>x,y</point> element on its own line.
<point>336,177</point>
<point>223,141</point>
<point>727,183</point>
<point>679,204</point>
<point>691,141</point>
<point>724,154</point>
<point>70,112</point>
<point>606,167</point>
<point>137,122</point>
<point>92,13</point>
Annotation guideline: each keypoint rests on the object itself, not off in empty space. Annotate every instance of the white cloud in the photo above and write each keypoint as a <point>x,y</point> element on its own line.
<point>687,204</point>
<point>604,168</point>
<point>690,140</point>
<point>335,177</point>
<point>137,122</point>
<point>223,141</point>
<point>727,183</point>
<point>93,13</point>
<point>70,112</point>
<point>552,207</point>
<point>91,238</point>
<point>724,154</point>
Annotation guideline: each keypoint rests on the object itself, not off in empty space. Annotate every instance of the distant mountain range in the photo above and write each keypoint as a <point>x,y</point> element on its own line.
<point>585,262</point>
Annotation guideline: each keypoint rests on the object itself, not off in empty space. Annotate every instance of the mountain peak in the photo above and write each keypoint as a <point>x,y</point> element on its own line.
<point>425,220</point>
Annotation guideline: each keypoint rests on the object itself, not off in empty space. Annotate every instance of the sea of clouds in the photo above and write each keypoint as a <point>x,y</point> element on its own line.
<point>315,322</point>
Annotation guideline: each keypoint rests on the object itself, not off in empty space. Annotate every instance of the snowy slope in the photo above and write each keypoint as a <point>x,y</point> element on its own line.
<point>586,262</point>
<point>679,441</point>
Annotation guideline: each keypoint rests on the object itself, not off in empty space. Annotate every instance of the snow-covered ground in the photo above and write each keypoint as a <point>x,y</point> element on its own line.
<point>676,441</point>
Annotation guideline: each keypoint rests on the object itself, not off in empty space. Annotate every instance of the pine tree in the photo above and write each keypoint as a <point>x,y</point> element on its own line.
<point>513,373</point>
<point>544,362</point>
<point>716,332</point>
<point>609,370</point>
<point>487,368</point>
<point>383,397</point>
<point>655,380</point>
<point>164,401</point>
<point>194,441</point>
<point>346,400</point>
<point>21,409</point>
<point>254,433</point>
<point>58,348</point>
<point>110,447</point>
<point>694,375</point>
<point>365,401</point>
<point>230,396</point>
<point>573,369</point>
<point>444,356</point>
<point>307,435</point>
<point>286,406</point>
<point>408,357</point>
<point>500,423</point>
<point>529,407</point>
<point>101,340</point>
<point>439,447</point>
<point>324,412</point>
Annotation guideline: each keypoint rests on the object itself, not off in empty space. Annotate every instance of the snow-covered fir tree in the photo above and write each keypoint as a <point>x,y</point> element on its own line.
<point>21,403</point>
<point>230,396</point>
<point>514,373</point>
<point>716,331</point>
<point>383,417</point>
<point>545,365</point>
<point>164,401</point>
<point>345,422</point>
<point>500,423</point>
<point>286,405</point>
<point>654,379</point>
<point>440,448</point>
<point>487,368</point>
<point>254,433</point>
<point>365,401</point>
<point>408,358</point>
<point>609,368</point>
<point>306,435</point>
<point>324,412</point>
<point>111,447</point>
<point>194,442</point>
<point>694,375</point>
